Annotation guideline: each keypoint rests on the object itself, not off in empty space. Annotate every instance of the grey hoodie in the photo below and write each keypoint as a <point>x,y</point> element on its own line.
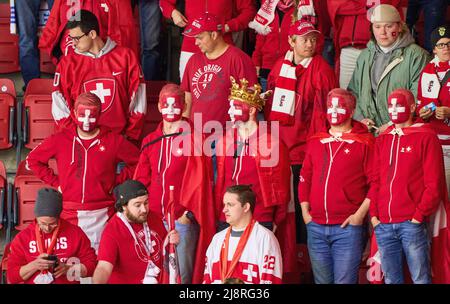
<point>381,59</point>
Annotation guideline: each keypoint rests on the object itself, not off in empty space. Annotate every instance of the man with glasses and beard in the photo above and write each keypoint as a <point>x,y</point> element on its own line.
<point>131,246</point>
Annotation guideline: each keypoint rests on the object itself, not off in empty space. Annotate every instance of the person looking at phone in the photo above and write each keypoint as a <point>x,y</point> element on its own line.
<point>50,250</point>
<point>433,93</point>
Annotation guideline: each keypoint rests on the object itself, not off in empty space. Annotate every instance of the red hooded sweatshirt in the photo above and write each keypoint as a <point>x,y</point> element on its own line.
<point>86,168</point>
<point>337,174</point>
<point>409,174</point>
<point>70,243</point>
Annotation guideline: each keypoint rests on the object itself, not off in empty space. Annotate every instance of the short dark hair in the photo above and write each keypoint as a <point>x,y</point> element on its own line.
<point>84,19</point>
<point>245,195</point>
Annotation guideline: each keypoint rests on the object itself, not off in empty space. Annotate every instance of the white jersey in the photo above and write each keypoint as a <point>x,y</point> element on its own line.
<point>260,262</point>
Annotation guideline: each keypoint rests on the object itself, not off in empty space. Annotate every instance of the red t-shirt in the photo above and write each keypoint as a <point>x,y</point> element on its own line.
<point>117,247</point>
<point>209,83</point>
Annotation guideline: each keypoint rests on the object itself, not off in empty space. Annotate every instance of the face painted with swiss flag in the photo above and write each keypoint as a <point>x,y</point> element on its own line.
<point>339,108</point>
<point>171,108</point>
<point>239,111</point>
<point>87,117</point>
<point>399,106</point>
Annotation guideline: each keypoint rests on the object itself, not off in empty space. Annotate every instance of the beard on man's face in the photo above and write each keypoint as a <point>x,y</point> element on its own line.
<point>140,219</point>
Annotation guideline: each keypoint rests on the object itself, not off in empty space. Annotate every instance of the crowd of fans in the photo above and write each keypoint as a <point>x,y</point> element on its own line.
<point>334,133</point>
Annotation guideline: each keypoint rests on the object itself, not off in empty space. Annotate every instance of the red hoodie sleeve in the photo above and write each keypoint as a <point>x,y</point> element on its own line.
<point>167,7</point>
<point>16,260</point>
<point>86,253</point>
<point>37,161</point>
<point>434,178</point>
<point>375,182</point>
<point>143,171</point>
<point>304,185</point>
<point>369,168</point>
<point>246,10</point>
<point>257,53</point>
<point>129,154</point>
<point>138,102</point>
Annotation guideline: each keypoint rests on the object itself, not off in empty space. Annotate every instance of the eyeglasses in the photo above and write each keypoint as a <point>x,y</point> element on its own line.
<point>442,45</point>
<point>77,38</point>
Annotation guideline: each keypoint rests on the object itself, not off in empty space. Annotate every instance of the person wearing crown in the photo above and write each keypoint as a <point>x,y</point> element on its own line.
<point>247,149</point>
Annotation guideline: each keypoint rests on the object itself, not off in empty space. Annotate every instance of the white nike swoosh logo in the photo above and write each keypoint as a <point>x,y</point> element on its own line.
<point>116,73</point>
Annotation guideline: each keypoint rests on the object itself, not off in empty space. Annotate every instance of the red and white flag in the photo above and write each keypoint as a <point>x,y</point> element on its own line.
<point>171,274</point>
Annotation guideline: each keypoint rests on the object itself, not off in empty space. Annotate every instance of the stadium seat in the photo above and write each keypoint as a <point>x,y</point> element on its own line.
<point>9,44</point>
<point>46,63</point>
<point>7,113</point>
<point>153,117</point>
<point>35,122</point>
<point>26,185</point>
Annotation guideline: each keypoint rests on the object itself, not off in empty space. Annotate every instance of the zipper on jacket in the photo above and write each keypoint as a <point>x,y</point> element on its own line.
<point>85,165</point>
<point>392,181</point>
<point>328,177</point>
<point>168,154</point>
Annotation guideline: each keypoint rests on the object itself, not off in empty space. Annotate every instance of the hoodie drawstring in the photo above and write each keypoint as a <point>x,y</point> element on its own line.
<point>73,151</point>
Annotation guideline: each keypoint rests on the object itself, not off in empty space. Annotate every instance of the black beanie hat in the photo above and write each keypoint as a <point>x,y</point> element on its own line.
<point>48,203</point>
<point>128,190</point>
<point>439,33</point>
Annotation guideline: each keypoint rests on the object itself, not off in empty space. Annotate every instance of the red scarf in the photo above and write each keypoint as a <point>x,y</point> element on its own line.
<point>226,272</point>
<point>40,244</point>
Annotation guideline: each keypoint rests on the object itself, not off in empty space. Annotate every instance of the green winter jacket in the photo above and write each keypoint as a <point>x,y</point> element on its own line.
<point>403,71</point>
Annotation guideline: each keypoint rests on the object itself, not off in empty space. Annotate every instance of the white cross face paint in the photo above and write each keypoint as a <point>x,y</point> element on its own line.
<point>171,109</point>
<point>337,112</point>
<point>87,117</point>
<point>238,111</point>
<point>398,110</point>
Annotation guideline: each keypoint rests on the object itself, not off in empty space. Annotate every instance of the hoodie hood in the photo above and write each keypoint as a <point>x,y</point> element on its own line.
<point>381,59</point>
<point>107,48</point>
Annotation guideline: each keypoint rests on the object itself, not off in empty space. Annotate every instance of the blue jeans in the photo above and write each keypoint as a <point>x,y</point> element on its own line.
<point>150,16</point>
<point>27,18</point>
<point>186,249</point>
<point>434,12</point>
<point>409,239</point>
<point>335,252</point>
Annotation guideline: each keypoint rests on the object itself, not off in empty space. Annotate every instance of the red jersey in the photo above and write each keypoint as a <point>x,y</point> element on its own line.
<point>130,260</point>
<point>114,75</point>
<point>108,13</point>
<point>260,262</point>
<point>236,13</point>
<point>71,244</point>
<point>209,83</point>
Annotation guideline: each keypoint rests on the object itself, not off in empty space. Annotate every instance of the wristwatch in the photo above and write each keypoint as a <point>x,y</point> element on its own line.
<point>190,215</point>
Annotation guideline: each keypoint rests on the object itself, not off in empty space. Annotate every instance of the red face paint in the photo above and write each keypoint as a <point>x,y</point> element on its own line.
<point>171,108</point>
<point>338,110</point>
<point>398,108</point>
<point>87,117</point>
<point>239,111</point>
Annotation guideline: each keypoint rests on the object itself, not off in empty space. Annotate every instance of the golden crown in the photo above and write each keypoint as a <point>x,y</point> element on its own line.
<point>246,95</point>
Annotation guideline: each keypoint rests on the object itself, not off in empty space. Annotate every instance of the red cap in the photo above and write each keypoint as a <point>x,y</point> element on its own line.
<point>205,23</point>
<point>301,28</point>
